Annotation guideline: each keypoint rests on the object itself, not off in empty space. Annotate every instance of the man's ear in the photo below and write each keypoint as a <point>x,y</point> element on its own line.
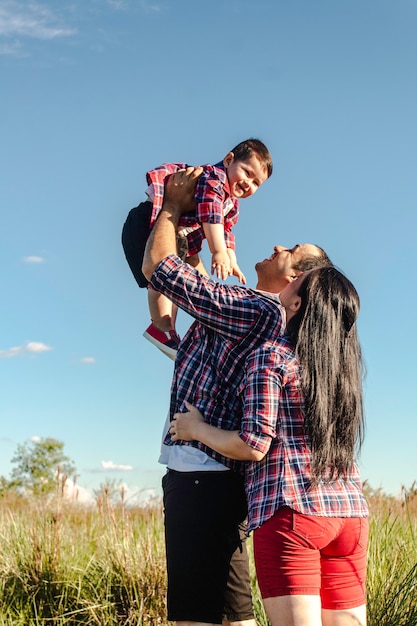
<point>294,274</point>
<point>295,305</point>
<point>228,159</point>
<point>290,277</point>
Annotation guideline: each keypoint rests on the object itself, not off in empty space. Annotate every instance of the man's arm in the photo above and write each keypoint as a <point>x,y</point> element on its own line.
<point>178,199</point>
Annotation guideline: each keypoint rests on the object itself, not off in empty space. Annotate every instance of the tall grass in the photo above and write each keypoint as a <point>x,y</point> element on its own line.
<point>392,560</point>
<point>62,564</point>
<point>69,565</point>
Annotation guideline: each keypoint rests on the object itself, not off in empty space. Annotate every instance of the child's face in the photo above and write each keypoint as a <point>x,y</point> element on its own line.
<point>245,177</point>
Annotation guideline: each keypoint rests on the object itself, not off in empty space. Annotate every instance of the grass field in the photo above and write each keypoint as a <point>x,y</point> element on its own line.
<point>64,564</point>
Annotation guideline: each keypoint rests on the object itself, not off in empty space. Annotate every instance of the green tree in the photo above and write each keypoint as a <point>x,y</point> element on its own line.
<point>40,465</point>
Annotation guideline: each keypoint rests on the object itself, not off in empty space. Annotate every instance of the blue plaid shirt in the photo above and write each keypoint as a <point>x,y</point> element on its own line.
<point>273,423</point>
<point>230,322</point>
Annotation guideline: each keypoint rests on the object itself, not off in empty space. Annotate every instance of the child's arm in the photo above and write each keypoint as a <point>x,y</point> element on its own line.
<point>220,260</point>
<point>235,269</point>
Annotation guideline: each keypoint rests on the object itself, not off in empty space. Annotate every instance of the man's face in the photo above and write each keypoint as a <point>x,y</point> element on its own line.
<point>245,177</point>
<point>275,272</point>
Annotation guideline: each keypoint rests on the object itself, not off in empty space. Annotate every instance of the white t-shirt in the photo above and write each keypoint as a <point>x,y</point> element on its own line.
<point>187,458</point>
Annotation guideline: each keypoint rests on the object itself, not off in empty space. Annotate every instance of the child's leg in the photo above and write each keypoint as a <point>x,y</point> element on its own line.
<point>196,262</point>
<point>163,312</point>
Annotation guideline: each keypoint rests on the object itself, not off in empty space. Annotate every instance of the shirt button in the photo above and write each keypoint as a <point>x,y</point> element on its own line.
<point>196,482</point>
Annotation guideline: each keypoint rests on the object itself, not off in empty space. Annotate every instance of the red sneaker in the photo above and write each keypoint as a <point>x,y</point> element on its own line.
<point>166,342</point>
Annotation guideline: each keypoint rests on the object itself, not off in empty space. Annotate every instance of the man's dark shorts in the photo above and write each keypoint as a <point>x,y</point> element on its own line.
<point>207,563</point>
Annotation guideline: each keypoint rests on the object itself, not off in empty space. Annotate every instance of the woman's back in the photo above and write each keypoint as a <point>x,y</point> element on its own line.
<point>284,476</point>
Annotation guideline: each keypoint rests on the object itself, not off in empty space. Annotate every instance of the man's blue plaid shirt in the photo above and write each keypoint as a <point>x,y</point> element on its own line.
<point>230,322</point>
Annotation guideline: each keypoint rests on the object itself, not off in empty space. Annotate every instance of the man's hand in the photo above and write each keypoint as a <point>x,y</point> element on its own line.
<point>178,199</point>
<point>180,190</point>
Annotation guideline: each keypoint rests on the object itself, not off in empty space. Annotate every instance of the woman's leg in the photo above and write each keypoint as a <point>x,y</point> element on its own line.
<point>343,571</point>
<point>288,569</point>
<point>294,610</point>
<point>348,617</point>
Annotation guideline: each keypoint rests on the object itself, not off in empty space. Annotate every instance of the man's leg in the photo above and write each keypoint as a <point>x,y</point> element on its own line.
<point>196,624</point>
<point>202,512</point>
<point>238,606</point>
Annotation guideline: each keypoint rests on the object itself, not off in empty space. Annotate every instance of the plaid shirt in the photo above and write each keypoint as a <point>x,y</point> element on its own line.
<point>214,204</point>
<point>230,322</point>
<point>273,423</point>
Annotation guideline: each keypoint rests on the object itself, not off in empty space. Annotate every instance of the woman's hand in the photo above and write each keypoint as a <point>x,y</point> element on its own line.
<point>184,426</point>
<point>191,426</point>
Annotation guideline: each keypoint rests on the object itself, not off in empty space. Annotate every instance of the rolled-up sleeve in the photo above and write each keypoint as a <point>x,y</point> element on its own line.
<point>262,389</point>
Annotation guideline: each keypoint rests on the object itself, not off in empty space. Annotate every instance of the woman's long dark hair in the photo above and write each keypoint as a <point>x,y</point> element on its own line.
<point>326,342</point>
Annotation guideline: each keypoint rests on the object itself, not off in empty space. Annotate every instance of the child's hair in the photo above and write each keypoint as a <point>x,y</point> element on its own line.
<point>245,149</point>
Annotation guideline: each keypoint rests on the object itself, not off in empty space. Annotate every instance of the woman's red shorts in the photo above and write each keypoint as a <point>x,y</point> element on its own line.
<point>310,555</point>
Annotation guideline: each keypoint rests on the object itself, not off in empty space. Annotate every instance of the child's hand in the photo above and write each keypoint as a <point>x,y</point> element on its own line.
<point>236,271</point>
<point>185,425</point>
<point>220,264</point>
<point>234,267</point>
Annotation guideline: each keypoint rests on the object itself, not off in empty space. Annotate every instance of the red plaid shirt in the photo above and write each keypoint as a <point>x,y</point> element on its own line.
<point>230,322</point>
<point>214,204</point>
<point>273,423</point>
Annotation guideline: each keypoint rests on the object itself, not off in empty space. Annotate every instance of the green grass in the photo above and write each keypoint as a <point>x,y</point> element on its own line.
<point>62,564</point>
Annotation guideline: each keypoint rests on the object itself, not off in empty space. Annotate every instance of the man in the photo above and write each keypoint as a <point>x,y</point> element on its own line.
<point>204,497</point>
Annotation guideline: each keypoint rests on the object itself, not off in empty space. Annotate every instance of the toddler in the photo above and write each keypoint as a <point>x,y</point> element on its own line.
<point>217,195</point>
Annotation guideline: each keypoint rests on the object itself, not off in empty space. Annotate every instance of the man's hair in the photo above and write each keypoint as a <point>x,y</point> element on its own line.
<point>245,149</point>
<point>312,261</point>
<point>326,343</point>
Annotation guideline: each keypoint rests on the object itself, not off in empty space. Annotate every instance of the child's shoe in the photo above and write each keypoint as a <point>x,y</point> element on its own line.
<point>167,342</point>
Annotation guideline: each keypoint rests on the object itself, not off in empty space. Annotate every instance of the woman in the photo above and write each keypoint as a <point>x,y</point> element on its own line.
<point>302,425</point>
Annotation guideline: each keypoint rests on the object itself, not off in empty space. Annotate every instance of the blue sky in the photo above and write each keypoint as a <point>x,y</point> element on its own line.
<point>96,92</point>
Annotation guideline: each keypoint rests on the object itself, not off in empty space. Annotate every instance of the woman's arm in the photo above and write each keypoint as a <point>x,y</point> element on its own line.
<point>191,426</point>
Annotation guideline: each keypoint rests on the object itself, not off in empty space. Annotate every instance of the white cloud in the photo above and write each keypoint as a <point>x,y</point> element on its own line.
<point>30,19</point>
<point>32,347</point>
<point>88,359</point>
<point>146,498</point>
<point>150,8</point>
<point>12,49</point>
<point>110,466</point>
<point>117,4</point>
<point>6,440</point>
<point>33,259</point>
<point>131,496</point>
<point>76,493</point>
<point>36,346</point>
<point>35,439</point>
